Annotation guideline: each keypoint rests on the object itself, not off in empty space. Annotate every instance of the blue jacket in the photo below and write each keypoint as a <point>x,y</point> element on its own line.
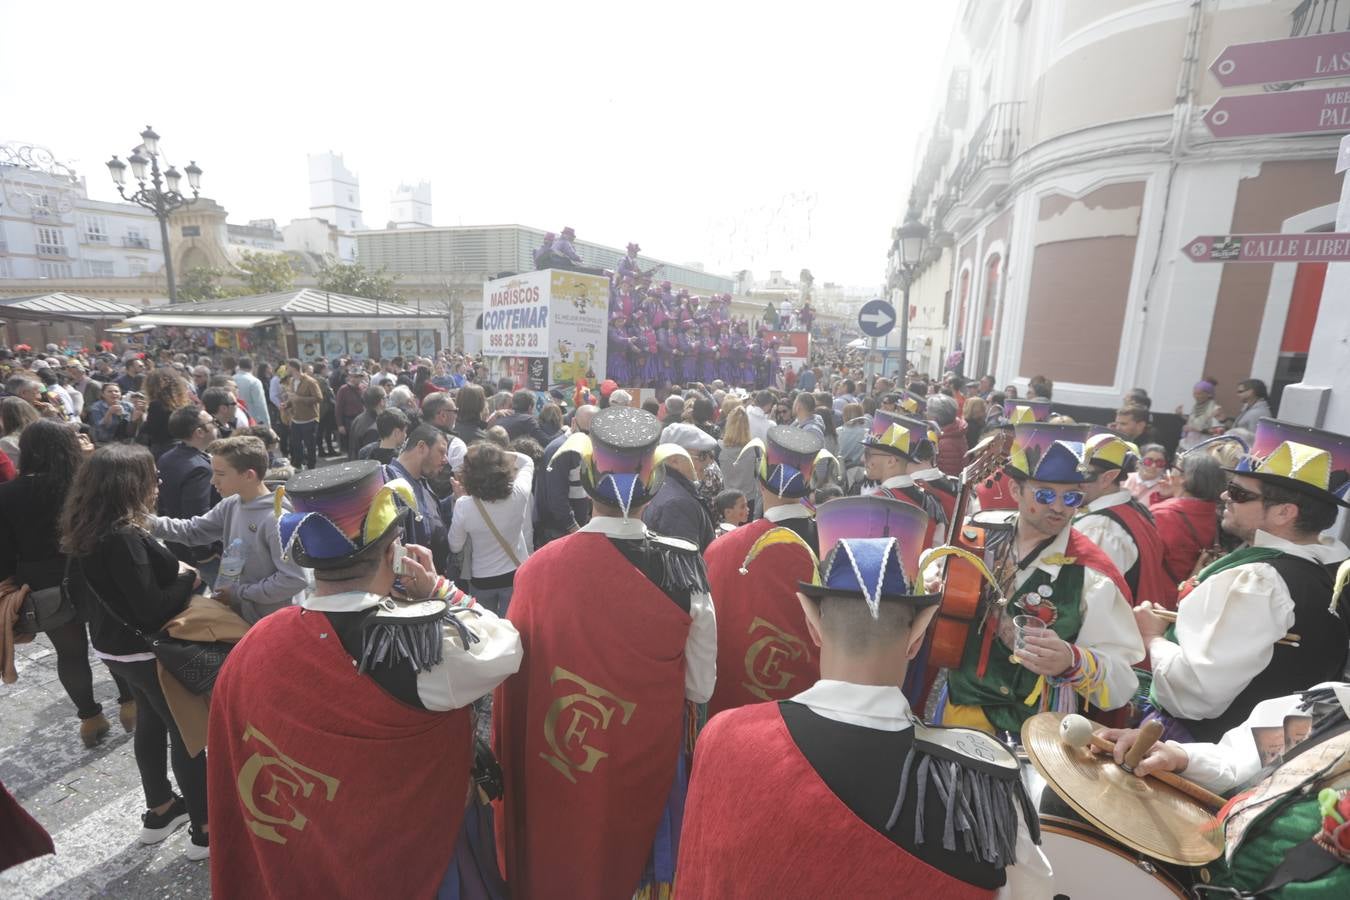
<point>428,527</point>
<point>184,492</point>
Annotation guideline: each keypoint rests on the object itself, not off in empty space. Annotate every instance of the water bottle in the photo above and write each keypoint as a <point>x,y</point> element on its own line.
<point>231,564</point>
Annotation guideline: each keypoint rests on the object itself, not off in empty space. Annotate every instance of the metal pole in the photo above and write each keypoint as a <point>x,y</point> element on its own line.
<point>904,333</point>
<point>162,213</point>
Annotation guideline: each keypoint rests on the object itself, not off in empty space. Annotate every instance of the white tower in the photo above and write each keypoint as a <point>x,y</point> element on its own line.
<point>334,192</point>
<point>410,207</point>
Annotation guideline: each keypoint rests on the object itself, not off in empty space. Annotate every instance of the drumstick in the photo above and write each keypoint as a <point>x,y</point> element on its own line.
<point>1289,640</point>
<point>1077,731</point>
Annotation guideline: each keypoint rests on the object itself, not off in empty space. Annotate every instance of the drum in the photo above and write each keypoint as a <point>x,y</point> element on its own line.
<point>1086,863</point>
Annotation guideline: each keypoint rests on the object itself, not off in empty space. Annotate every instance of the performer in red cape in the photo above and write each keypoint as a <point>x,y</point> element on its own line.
<point>837,791</point>
<point>594,732</point>
<point>763,650</point>
<point>1087,642</point>
<point>341,739</point>
<point>894,447</point>
<point>1119,524</point>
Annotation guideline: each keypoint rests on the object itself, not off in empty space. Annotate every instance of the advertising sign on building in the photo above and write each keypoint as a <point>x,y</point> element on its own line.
<point>794,347</point>
<point>556,316</point>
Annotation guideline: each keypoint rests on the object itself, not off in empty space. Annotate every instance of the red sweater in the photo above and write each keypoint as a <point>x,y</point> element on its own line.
<point>1182,544</point>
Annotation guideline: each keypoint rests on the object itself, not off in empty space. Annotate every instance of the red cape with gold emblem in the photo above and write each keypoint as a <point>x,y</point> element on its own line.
<point>764,651</point>
<point>760,822</point>
<point>320,783</point>
<point>588,731</point>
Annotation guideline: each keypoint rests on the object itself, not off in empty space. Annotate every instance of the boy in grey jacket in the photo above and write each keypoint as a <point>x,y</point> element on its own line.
<point>266,582</point>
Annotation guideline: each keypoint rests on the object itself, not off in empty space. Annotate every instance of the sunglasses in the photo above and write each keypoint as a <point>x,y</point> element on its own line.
<point>1047,496</point>
<point>1153,463</point>
<point>1239,494</point>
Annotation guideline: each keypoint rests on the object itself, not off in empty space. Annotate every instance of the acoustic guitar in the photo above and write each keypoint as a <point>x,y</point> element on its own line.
<point>964,583</point>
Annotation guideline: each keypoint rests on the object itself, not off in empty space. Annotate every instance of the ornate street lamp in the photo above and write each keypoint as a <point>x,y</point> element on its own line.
<point>161,196</point>
<point>912,240</point>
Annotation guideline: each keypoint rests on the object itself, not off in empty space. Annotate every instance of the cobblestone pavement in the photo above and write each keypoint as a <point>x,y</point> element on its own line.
<point>89,800</point>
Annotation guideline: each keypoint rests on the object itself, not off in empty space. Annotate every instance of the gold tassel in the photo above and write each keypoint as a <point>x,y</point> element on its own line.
<point>781,535</point>
<point>1342,578</point>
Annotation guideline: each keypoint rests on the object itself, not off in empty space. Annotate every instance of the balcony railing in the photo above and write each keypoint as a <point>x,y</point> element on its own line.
<point>1319,17</point>
<point>52,250</point>
<point>139,242</point>
<point>996,140</point>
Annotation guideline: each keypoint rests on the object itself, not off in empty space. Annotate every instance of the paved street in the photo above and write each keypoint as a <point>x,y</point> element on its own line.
<point>90,800</point>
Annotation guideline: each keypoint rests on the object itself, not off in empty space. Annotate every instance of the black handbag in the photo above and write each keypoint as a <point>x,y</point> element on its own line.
<point>47,608</point>
<point>194,663</point>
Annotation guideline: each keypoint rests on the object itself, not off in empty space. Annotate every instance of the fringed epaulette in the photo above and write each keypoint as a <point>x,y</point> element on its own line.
<point>684,568</point>
<point>408,632</point>
<point>979,783</point>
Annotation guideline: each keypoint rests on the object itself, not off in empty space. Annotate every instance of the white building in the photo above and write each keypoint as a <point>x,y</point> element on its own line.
<point>335,196</point>
<point>50,229</point>
<point>1063,170</point>
<point>410,206</point>
<point>316,236</point>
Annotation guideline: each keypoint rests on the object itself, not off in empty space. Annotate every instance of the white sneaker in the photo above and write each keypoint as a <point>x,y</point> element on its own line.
<point>198,851</point>
<point>155,827</point>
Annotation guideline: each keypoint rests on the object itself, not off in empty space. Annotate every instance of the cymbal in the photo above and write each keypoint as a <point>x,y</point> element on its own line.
<point>1142,813</point>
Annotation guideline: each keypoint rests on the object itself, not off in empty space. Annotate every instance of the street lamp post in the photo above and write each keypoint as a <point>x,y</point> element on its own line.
<point>161,196</point>
<point>912,238</point>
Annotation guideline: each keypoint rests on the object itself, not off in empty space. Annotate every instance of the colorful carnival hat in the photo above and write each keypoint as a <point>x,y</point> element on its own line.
<point>1105,451</point>
<point>1016,411</point>
<point>1044,452</point>
<point>909,438</point>
<point>339,513</point>
<point>912,403</point>
<point>621,457</point>
<point>872,570</point>
<point>1309,460</point>
<point>871,517</point>
<point>787,459</point>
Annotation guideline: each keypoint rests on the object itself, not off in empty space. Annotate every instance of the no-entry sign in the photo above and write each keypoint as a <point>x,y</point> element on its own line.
<point>1281,112</point>
<point>1288,59</point>
<point>1269,248</point>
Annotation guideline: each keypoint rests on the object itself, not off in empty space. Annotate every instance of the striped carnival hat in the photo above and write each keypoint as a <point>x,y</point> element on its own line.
<point>339,513</point>
<point>787,459</point>
<point>1309,460</point>
<point>621,457</point>
<point>913,439</point>
<point>1044,452</point>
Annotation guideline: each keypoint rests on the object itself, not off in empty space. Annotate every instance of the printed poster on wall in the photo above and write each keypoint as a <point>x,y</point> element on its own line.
<point>577,333</point>
<point>388,344</point>
<point>516,315</point>
<point>334,344</point>
<point>358,344</point>
<point>407,343</point>
<point>426,342</point>
<point>310,344</point>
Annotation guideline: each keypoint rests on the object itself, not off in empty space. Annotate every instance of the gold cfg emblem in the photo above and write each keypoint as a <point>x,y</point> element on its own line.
<point>764,659</point>
<point>584,709</point>
<point>270,784</point>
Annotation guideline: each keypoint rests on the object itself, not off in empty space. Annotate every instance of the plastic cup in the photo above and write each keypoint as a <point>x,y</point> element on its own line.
<point>1022,626</point>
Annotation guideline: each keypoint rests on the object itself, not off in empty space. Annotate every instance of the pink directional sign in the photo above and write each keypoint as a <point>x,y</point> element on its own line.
<point>1288,59</point>
<point>1281,112</point>
<point>1269,248</point>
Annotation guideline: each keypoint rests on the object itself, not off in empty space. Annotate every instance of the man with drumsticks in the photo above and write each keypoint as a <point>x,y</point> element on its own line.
<point>1287,769</point>
<point>786,797</point>
<point>1228,650</point>
<point>1067,616</point>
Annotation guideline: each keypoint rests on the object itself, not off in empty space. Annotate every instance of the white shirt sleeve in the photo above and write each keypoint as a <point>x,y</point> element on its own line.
<point>1226,633</point>
<point>1109,631</point>
<point>1235,759</point>
<point>458,534</point>
<point>465,675</point>
<point>455,452</point>
<point>1030,878</point>
<point>700,650</point>
<point>1112,538</point>
<point>524,480</point>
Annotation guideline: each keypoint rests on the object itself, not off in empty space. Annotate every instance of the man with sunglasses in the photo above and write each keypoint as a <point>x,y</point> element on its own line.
<point>1226,651</point>
<point>1068,610</point>
<point>1119,524</point>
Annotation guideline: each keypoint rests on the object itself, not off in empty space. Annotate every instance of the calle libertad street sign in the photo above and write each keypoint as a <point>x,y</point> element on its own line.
<point>1286,59</point>
<point>1269,248</point>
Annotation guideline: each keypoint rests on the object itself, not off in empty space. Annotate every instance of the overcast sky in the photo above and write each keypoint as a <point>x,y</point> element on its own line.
<point>760,135</point>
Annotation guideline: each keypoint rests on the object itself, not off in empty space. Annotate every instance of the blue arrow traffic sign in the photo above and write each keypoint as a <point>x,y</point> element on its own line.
<point>876,318</point>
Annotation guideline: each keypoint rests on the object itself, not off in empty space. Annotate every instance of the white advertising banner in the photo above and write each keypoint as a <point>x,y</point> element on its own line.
<point>555,315</point>
<point>516,314</point>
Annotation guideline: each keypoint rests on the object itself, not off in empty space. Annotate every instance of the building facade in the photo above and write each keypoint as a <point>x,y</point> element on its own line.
<point>51,230</point>
<point>410,206</point>
<point>335,196</point>
<point>1065,169</point>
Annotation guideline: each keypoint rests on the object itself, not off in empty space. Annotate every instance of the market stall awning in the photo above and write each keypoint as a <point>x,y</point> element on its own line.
<point>206,321</point>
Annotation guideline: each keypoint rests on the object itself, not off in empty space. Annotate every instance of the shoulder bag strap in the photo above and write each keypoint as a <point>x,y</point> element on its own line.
<point>108,609</point>
<point>501,541</point>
